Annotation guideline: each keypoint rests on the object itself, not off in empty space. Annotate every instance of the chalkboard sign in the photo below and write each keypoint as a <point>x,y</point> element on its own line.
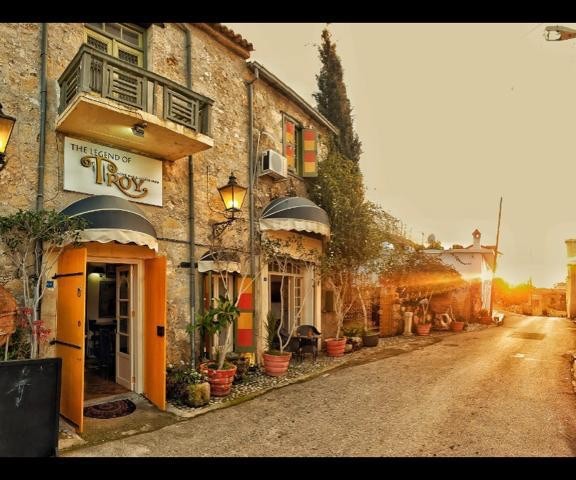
<point>29,407</point>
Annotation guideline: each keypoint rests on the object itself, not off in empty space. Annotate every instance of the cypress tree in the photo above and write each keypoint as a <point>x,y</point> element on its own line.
<point>332,100</point>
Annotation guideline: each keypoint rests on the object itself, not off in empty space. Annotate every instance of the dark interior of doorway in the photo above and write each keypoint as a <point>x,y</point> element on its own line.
<point>100,361</point>
<point>277,303</point>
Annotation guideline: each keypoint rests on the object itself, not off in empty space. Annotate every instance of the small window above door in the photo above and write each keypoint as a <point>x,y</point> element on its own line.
<point>117,39</point>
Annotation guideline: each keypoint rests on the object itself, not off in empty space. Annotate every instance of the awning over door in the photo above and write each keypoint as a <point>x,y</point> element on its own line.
<point>113,219</point>
<point>295,213</point>
<point>223,261</point>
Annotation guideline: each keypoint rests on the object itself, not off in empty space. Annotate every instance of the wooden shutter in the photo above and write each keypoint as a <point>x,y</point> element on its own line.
<point>99,42</point>
<point>309,153</point>
<point>245,325</point>
<point>290,143</point>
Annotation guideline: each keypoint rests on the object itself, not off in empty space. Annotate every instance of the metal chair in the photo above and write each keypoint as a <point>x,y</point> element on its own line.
<point>307,336</point>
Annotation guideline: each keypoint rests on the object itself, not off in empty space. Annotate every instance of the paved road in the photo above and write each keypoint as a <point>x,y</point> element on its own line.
<point>482,393</point>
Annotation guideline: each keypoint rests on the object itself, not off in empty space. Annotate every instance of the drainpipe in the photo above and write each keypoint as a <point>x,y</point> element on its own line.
<point>251,181</point>
<point>191,218</point>
<point>42,139</point>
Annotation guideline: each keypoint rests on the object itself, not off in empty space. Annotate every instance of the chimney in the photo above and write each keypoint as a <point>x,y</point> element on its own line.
<point>476,238</point>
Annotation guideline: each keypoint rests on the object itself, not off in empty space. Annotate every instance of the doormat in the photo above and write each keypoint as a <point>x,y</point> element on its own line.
<point>119,408</point>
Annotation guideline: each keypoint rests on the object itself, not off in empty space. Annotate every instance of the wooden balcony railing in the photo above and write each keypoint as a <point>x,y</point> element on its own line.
<point>94,71</point>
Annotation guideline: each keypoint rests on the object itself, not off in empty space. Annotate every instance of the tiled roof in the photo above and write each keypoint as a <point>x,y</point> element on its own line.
<point>230,34</point>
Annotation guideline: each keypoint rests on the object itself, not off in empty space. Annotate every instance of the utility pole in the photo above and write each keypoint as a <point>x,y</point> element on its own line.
<point>495,260</point>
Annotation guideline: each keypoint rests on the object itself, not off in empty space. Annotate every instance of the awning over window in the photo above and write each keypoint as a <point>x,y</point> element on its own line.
<point>113,219</point>
<point>295,213</point>
<point>223,261</point>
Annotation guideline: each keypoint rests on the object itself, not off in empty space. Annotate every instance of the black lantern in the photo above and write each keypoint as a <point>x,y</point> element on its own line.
<point>6,126</point>
<point>232,196</point>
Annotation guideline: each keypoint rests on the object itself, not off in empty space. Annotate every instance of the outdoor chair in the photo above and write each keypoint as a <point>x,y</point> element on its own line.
<point>292,346</point>
<point>307,336</point>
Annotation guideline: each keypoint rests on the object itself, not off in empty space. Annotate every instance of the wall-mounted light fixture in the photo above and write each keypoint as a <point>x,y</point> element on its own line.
<point>6,126</point>
<point>138,129</point>
<point>232,196</point>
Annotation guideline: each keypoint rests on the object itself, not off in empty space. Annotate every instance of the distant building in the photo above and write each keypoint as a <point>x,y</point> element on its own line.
<point>475,263</point>
<point>571,280</point>
<point>548,301</point>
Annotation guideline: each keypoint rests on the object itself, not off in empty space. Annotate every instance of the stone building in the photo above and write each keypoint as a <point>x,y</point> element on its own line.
<point>142,124</point>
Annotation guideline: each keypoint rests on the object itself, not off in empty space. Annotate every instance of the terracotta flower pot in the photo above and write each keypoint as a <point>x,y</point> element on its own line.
<point>457,326</point>
<point>220,380</point>
<point>423,329</point>
<point>335,348</point>
<point>276,365</point>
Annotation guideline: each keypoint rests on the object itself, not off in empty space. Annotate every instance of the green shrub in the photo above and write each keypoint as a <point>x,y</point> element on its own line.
<point>179,378</point>
<point>353,331</point>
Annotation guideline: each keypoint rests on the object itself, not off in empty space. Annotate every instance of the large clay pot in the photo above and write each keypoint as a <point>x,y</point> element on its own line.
<point>335,348</point>
<point>370,340</point>
<point>276,365</point>
<point>423,329</point>
<point>457,326</point>
<point>220,380</point>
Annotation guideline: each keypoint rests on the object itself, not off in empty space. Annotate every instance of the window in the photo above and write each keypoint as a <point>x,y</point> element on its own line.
<point>286,292</point>
<point>300,148</point>
<point>121,41</point>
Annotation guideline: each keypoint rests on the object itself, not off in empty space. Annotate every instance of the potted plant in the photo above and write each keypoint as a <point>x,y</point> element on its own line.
<point>424,319</point>
<point>353,335</point>
<point>186,385</point>
<point>484,317</point>
<point>242,364</point>
<point>219,318</point>
<point>457,325</point>
<point>370,338</point>
<point>276,360</point>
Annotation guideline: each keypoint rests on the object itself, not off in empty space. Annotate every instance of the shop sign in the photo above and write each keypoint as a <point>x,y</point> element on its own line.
<point>101,170</point>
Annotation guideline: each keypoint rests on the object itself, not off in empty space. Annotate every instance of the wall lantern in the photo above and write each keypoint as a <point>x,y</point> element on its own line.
<point>6,126</point>
<point>232,196</point>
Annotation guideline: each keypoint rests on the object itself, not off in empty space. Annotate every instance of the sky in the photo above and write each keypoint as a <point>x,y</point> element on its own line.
<point>451,118</point>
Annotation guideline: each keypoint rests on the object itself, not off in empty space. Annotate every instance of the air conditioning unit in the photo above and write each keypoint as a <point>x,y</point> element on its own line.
<point>274,164</point>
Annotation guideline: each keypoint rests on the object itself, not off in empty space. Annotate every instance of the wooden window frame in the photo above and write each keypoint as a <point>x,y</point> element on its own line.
<point>117,43</point>
<point>298,126</point>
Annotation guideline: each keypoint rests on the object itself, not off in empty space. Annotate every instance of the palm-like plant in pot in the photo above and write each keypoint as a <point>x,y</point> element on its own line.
<point>276,360</point>
<point>220,318</point>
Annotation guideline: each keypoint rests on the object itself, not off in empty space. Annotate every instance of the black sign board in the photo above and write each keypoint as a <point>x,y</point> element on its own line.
<point>29,407</point>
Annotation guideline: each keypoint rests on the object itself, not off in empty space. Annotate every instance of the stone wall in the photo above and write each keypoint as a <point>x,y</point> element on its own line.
<point>218,73</point>
<point>269,106</point>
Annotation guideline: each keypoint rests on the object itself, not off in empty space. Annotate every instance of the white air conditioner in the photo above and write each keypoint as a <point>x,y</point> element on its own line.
<point>274,164</point>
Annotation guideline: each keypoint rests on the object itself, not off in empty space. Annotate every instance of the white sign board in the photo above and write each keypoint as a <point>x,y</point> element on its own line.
<point>93,168</point>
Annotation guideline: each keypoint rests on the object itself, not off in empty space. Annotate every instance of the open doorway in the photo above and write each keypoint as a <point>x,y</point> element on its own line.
<point>109,330</point>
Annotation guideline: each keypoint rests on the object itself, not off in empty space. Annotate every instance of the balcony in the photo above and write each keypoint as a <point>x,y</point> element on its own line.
<point>102,98</point>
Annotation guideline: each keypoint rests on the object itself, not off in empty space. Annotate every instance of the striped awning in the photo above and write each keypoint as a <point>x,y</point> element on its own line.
<point>219,261</point>
<point>295,213</point>
<point>113,219</point>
